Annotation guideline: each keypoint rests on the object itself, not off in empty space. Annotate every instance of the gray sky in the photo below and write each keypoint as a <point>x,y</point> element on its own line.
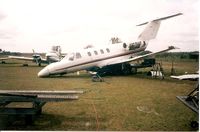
<point>72,24</point>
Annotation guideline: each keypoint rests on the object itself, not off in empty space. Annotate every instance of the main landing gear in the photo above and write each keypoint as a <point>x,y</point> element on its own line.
<point>97,78</point>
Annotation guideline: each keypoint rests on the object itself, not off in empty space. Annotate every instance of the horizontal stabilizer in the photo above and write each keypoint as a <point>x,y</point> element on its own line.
<point>163,18</point>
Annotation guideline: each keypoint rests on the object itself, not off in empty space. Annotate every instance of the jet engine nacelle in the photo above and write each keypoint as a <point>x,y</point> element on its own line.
<point>137,45</point>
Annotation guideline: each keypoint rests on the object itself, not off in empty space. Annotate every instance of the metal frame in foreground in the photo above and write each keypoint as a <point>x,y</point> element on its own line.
<point>37,98</point>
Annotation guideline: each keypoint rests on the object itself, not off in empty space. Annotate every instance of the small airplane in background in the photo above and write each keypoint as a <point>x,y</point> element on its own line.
<point>53,56</point>
<point>112,58</point>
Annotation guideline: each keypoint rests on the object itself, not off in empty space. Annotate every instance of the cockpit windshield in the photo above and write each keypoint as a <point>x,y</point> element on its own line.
<point>69,57</point>
<point>72,56</point>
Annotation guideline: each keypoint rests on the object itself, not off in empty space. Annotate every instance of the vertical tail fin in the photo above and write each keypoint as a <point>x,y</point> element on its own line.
<point>152,28</point>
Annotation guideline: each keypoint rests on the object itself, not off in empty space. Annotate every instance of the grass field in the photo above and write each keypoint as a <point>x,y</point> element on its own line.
<point>134,102</point>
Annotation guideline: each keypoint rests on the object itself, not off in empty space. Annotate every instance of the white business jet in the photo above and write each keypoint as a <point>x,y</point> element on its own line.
<point>112,58</point>
<point>53,56</point>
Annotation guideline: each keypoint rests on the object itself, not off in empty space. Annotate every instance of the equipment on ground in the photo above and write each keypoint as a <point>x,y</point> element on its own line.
<point>192,102</point>
<point>30,103</point>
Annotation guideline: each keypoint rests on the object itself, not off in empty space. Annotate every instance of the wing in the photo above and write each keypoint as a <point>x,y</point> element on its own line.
<point>4,58</point>
<point>27,58</point>
<point>21,58</point>
<point>141,56</point>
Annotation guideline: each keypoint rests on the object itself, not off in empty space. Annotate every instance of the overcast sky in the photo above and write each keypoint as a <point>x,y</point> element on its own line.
<point>39,24</point>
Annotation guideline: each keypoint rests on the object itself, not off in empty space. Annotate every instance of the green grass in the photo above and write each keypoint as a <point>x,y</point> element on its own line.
<point>110,105</point>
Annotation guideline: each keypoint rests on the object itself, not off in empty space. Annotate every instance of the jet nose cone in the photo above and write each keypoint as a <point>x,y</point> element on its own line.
<point>43,73</point>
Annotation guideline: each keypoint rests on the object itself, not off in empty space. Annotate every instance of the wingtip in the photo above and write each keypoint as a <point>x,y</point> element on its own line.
<point>173,47</point>
<point>163,18</point>
<point>142,24</point>
<point>180,13</point>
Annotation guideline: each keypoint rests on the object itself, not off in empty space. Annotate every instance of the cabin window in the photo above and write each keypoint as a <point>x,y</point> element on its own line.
<point>78,55</point>
<point>95,52</point>
<point>102,52</point>
<point>108,50</point>
<point>89,54</point>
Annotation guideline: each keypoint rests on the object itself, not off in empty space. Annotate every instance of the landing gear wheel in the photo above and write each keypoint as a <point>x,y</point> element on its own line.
<point>97,78</point>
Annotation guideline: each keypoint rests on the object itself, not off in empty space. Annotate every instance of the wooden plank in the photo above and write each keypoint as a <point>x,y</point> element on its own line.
<point>57,97</point>
<point>39,98</point>
<point>37,92</point>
